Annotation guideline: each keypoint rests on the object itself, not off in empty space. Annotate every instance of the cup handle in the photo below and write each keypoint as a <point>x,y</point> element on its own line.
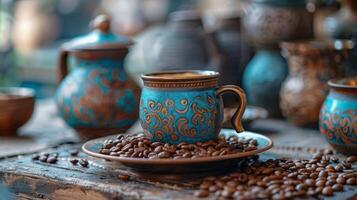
<point>237,117</point>
<point>62,66</point>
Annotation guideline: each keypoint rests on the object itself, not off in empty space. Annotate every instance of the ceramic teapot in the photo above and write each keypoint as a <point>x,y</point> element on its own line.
<point>97,97</point>
<point>182,44</point>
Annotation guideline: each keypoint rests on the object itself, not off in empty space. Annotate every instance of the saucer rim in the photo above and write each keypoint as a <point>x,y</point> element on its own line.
<point>170,161</point>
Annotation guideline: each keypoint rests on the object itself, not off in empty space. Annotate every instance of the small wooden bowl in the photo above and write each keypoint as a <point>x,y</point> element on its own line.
<point>16,108</point>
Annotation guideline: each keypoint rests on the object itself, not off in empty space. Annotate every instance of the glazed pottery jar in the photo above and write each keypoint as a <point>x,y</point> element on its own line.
<point>97,97</point>
<point>185,106</point>
<point>311,64</point>
<point>185,45</point>
<point>338,116</point>
<point>266,23</point>
<point>262,80</point>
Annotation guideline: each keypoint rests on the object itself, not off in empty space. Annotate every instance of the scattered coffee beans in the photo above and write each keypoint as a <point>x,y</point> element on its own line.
<point>73,161</point>
<point>281,179</point>
<point>83,162</point>
<point>141,147</point>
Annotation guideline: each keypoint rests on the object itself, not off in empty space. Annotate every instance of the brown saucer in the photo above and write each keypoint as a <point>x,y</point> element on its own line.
<point>204,164</point>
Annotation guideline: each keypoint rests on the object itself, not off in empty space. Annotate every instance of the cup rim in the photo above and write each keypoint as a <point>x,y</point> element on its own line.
<point>341,83</point>
<point>197,79</point>
<point>198,75</point>
<point>18,92</point>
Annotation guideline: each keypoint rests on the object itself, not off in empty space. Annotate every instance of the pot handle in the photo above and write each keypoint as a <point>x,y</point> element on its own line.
<point>237,117</point>
<point>62,66</point>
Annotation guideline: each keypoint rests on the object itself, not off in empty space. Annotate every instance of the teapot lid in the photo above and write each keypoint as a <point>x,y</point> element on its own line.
<point>101,38</point>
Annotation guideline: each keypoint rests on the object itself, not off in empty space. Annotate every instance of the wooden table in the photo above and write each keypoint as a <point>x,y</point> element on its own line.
<point>29,179</point>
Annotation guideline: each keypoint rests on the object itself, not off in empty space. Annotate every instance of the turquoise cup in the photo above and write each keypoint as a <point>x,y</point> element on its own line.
<point>185,106</point>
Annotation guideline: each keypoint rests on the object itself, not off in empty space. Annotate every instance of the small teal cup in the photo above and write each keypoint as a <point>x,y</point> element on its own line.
<point>185,106</point>
<point>338,115</point>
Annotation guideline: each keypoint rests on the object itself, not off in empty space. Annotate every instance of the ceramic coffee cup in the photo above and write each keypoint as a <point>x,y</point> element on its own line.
<point>338,115</point>
<point>186,106</point>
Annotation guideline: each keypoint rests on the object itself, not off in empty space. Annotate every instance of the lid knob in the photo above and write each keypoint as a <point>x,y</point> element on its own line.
<point>101,23</point>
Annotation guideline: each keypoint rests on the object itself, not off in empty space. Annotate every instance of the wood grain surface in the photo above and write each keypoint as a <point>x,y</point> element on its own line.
<point>28,179</point>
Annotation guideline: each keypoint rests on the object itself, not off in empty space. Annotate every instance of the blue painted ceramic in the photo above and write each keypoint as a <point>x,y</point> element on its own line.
<point>185,106</point>
<point>97,97</point>
<point>262,80</point>
<point>338,116</point>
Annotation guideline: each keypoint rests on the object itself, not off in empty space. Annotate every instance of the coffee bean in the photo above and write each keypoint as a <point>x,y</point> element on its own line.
<point>327,191</point>
<point>201,193</point>
<point>74,152</point>
<point>83,162</point>
<point>310,182</point>
<point>351,181</point>
<point>351,159</point>
<point>123,177</point>
<point>35,157</point>
<point>213,188</point>
<point>341,180</point>
<point>339,168</point>
<point>347,165</point>
<point>105,151</point>
<point>323,174</point>
<point>301,186</point>
<point>51,160</point>
<point>337,187</point>
<point>73,161</point>
<point>164,155</point>
<point>43,158</point>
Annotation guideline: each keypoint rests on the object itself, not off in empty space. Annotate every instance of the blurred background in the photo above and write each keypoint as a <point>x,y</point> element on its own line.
<point>32,30</point>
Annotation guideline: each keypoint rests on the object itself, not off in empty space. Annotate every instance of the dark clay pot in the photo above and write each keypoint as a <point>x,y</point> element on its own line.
<point>236,50</point>
<point>184,44</point>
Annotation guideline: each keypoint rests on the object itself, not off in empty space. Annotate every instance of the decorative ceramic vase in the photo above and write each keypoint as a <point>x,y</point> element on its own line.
<point>311,64</point>
<point>266,23</point>
<point>97,97</point>
<point>338,116</point>
<point>185,106</point>
<point>262,80</point>
<point>182,44</point>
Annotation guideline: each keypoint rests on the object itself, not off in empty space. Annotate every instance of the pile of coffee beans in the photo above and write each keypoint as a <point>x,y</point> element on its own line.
<point>323,175</point>
<point>139,146</point>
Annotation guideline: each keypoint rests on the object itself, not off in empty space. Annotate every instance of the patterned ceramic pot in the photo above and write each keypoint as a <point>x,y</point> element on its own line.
<point>185,106</point>
<point>311,64</point>
<point>97,97</point>
<point>338,116</point>
<point>267,22</point>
